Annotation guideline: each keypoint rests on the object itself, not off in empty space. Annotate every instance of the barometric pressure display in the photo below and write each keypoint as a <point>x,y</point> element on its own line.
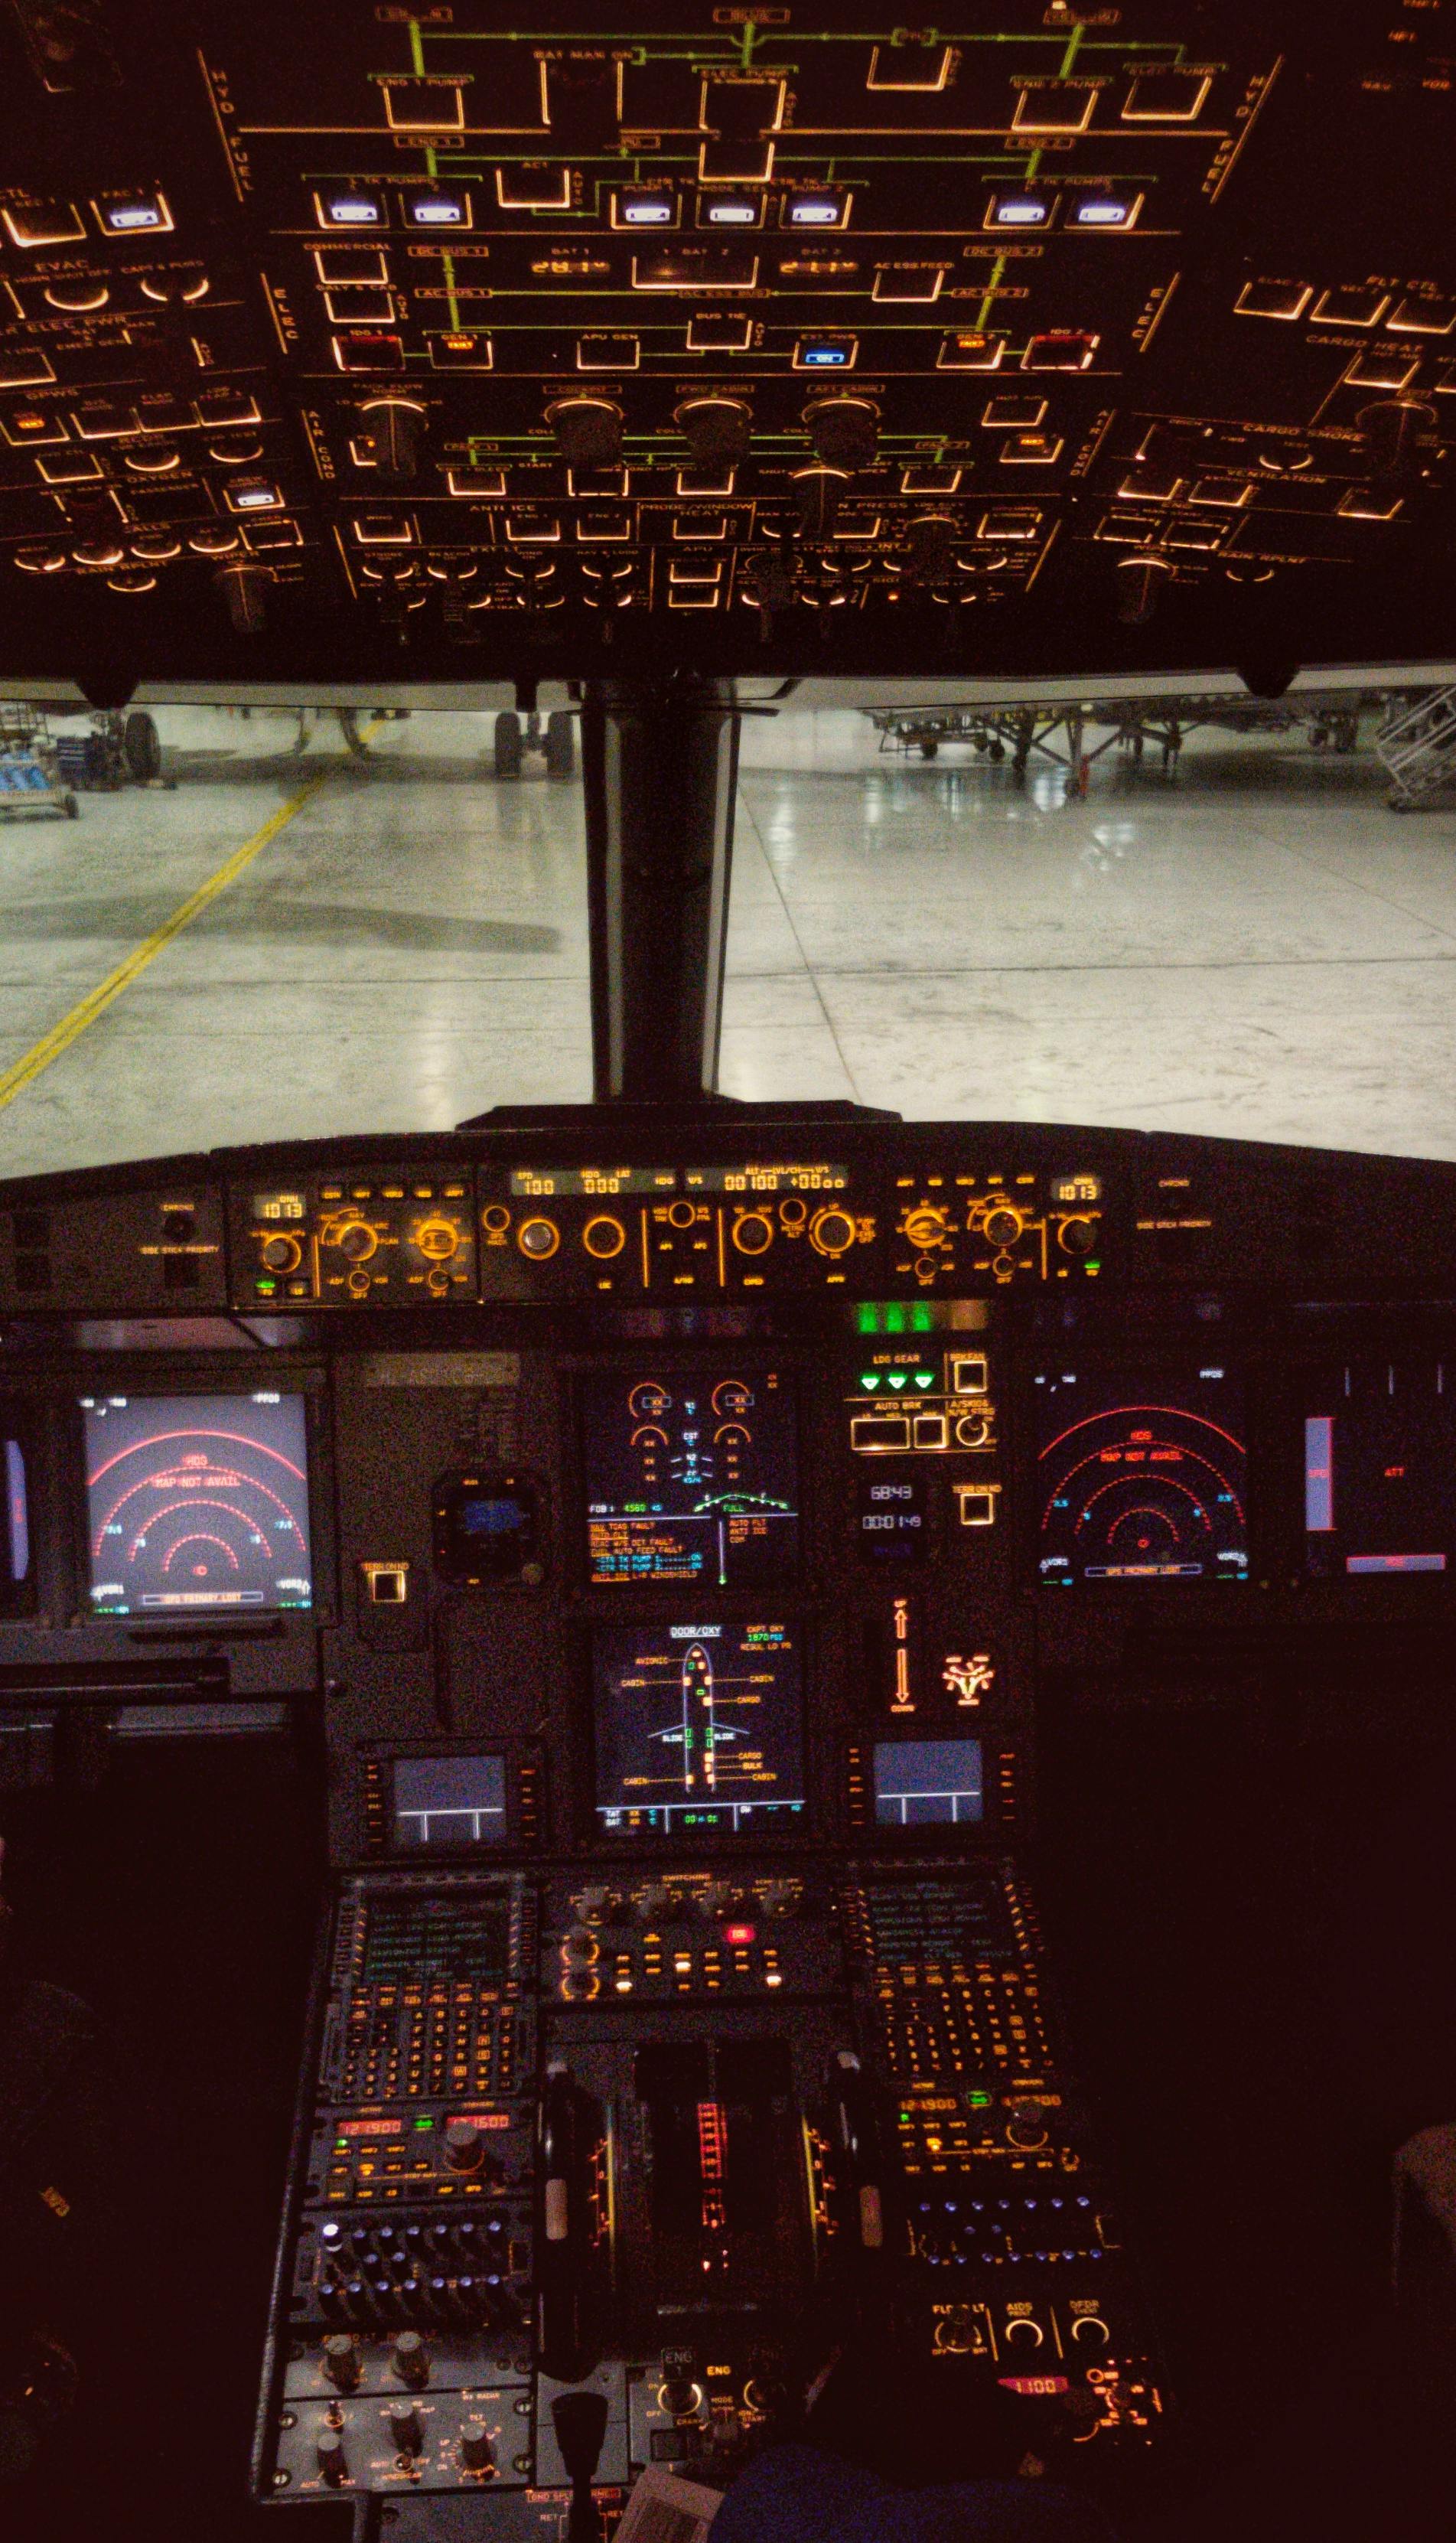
<point>197,1504</point>
<point>691,1478</point>
<point>1143,1475</point>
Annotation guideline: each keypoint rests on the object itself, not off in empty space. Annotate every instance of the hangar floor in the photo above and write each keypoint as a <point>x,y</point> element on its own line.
<point>1256,948</point>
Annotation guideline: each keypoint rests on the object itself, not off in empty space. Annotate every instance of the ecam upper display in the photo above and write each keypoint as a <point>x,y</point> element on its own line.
<point>197,1501</point>
<point>692,1477</point>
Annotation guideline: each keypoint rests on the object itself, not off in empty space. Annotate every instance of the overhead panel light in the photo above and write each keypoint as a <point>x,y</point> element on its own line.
<point>126,215</point>
<point>440,209</point>
<point>1019,211</point>
<point>643,207</point>
<point>1106,212</point>
<point>348,207</point>
<point>816,211</point>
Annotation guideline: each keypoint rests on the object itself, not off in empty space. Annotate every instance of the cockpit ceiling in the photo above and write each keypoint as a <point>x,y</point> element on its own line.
<point>348,343</point>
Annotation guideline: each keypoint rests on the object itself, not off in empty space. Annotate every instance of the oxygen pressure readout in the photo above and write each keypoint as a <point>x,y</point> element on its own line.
<point>691,1478</point>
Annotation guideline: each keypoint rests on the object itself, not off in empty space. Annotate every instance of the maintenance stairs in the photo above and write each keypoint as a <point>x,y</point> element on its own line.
<point>1416,748</point>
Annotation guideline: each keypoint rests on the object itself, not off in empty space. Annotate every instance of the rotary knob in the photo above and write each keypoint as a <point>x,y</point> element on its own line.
<point>464,2145</point>
<point>753,1233</point>
<point>476,2447</point>
<point>653,1904</point>
<point>831,1231</point>
<point>405,2430</point>
<point>603,1238</point>
<point>681,1214</point>
<point>1076,1235</point>
<point>341,2361</point>
<point>1003,1225</point>
<point>973,1430</point>
<point>718,1898</point>
<point>356,1241</point>
<point>578,1949</point>
<point>1089,2331</point>
<point>538,1238</point>
<point>438,1239</point>
<point>926,1226</point>
<point>680,2395</point>
<point>281,1252</point>
<point>332,2460</point>
<point>1026,2124</point>
<point>411,2361</point>
<point>1026,2333</point>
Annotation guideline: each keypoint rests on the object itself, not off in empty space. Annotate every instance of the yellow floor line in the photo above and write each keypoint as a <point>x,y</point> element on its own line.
<point>15,1080</point>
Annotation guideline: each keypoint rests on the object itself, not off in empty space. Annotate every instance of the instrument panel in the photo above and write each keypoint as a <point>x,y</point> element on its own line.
<point>674,1634</point>
<point>327,338</point>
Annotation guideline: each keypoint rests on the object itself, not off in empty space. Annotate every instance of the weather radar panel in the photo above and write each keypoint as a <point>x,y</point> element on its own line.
<point>196,1503</point>
<point>691,1478</point>
<point>1143,1475</point>
<point>699,1727</point>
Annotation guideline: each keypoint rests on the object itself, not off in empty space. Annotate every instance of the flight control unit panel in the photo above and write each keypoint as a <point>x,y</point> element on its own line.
<point>669,1537</point>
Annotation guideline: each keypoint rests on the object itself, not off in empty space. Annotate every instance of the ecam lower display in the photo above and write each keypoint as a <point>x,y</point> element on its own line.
<point>699,1727</point>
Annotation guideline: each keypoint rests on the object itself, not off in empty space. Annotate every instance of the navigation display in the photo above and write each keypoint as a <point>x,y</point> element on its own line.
<point>196,1503</point>
<point>691,1478</point>
<point>1143,1475</point>
<point>699,1727</point>
<point>1379,1469</point>
<point>928,1783</point>
<point>448,1802</point>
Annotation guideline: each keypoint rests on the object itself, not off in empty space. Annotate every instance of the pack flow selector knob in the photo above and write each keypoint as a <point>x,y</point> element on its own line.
<point>341,2361</point>
<point>476,2447</point>
<point>405,2429</point>
<point>332,2460</point>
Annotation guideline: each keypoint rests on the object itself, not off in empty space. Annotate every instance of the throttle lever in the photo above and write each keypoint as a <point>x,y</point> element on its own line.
<point>852,2121</point>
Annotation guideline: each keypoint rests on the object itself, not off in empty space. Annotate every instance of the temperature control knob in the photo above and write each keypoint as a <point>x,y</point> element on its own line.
<point>831,1231</point>
<point>476,2447</point>
<point>281,1252</point>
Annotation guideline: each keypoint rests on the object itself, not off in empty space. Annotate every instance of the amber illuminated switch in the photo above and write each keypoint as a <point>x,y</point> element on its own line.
<point>976,1504</point>
<point>967,1374</point>
<point>387,1584</point>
